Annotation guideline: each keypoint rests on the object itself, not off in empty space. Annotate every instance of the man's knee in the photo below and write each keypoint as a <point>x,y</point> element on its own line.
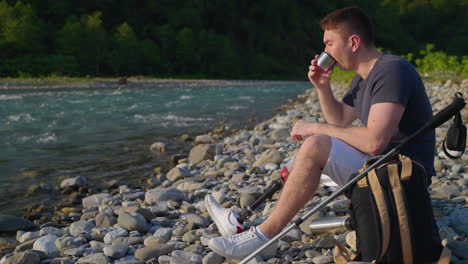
<point>318,148</point>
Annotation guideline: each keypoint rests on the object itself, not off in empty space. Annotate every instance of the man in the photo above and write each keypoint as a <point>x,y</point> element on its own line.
<point>387,95</point>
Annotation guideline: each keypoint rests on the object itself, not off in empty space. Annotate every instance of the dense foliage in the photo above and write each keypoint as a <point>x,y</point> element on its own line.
<point>272,39</point>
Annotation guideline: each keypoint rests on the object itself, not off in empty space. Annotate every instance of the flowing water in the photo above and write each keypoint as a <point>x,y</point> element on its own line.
<point>105,133</point>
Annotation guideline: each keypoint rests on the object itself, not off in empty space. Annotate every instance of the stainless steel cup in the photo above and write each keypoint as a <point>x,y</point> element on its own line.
<point>325,61</point>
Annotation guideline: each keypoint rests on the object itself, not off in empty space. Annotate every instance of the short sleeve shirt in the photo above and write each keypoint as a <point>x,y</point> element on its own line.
<point>393,79</point>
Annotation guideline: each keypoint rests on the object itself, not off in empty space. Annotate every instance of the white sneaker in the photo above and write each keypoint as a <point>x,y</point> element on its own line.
<point>225,219</point>
<point>241,245</point>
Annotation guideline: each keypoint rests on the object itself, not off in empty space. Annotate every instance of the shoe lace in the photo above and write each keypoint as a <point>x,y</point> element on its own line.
<point>243,236</point>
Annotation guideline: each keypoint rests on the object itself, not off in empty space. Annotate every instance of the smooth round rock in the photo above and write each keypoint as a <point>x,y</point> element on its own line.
<point>81,228</point>
<point>212,258</point>
<point>132,222</point>
<point>47,245</point>
<point>116,251</point>
<point>9,223</point>
<point>96,258</point>
<point>147,253</point>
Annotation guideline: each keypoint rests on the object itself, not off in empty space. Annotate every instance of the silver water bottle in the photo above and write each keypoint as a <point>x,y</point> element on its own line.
<point>330,225</point>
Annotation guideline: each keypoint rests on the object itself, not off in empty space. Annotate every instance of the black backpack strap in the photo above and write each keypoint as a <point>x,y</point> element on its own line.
<point>400,202</point>
<point>382,208</point>
<point>455,139</point>
<point>445,256</point>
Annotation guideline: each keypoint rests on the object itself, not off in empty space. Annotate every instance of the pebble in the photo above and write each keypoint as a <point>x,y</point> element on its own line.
<point>95,200</point>
<point>47,245</point>
<point>147,253</point>
<point>322,259</point>
<point>27,257</point>
<point>212,258</point>
<point>115,251</point>
<point>96,258</point>
<point>324,242</point>
<point>76,182</point>
<point>132,222</point>
<point>81,228</point>
<point>162,235</point>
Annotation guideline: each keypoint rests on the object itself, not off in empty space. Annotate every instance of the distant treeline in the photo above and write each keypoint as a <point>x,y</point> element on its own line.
<point>262,39</point>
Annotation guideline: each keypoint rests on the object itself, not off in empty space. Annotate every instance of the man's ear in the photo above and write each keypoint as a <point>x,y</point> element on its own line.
<point>355,42</point>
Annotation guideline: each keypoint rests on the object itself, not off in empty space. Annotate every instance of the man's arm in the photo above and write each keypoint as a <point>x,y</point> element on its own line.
<point>335,112</point>
<point>382,124</point>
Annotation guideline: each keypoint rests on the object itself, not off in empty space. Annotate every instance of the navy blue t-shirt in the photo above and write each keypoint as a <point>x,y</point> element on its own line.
<point>393,79</point>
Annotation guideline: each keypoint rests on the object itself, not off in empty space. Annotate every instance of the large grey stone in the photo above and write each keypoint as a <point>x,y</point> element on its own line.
<point>197,220</point>
<point>50,230</point>
<point>322,259</point>
<point>75,252</point>
<point>28,236</point>
<point>95,200</point>
<point>177,173</point>
<point>146,253</point>
<point>281,134</point>
<point>164,194</point>
<point>163,235</point>
<point>119,232</point>
<point>458,248</point>
<point>129,260</point>
<point>202,152</point>
<point>96,245</point>
<point>27,257</point>
<point>459,217</point>
<point>132,222</point>
<point>190,237</point>
<point>444,191</point>
<point>67,242</point>
<point>116,251</point>
<point>25,246</point>
<point>203,139</point>
<point>183,257</point>
<point>96,258</point>
<point>103,219</point>
<point>190,186</point>
<point>269,156</point>
<point>158,147</point>
<point>212,258</point>
<point>79,181</point>
<point>46,244</point>
<point>9,223</point>
<point>81,228</point>
<point>324,242</point>
<point>128,241</point>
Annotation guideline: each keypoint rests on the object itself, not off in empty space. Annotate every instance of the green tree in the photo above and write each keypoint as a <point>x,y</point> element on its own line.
<point>185,51</point>
<point>123,59</point>
<point>86,40</point>
<point>19,30</point>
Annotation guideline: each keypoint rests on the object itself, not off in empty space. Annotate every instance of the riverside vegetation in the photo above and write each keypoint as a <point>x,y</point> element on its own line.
<point>210,39</point>
<point>164,220</point>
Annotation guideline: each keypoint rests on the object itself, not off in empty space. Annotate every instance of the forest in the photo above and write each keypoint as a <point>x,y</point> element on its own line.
<point>263,39</point>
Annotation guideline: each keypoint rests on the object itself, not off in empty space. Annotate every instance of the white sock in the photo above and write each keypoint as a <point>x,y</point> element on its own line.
<point>261,235</point>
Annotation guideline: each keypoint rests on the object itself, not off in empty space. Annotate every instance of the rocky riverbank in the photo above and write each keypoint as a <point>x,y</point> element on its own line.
<point>165,221</point>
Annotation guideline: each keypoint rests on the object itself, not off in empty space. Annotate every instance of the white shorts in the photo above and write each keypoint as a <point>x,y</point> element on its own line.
<point>344,160</point>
